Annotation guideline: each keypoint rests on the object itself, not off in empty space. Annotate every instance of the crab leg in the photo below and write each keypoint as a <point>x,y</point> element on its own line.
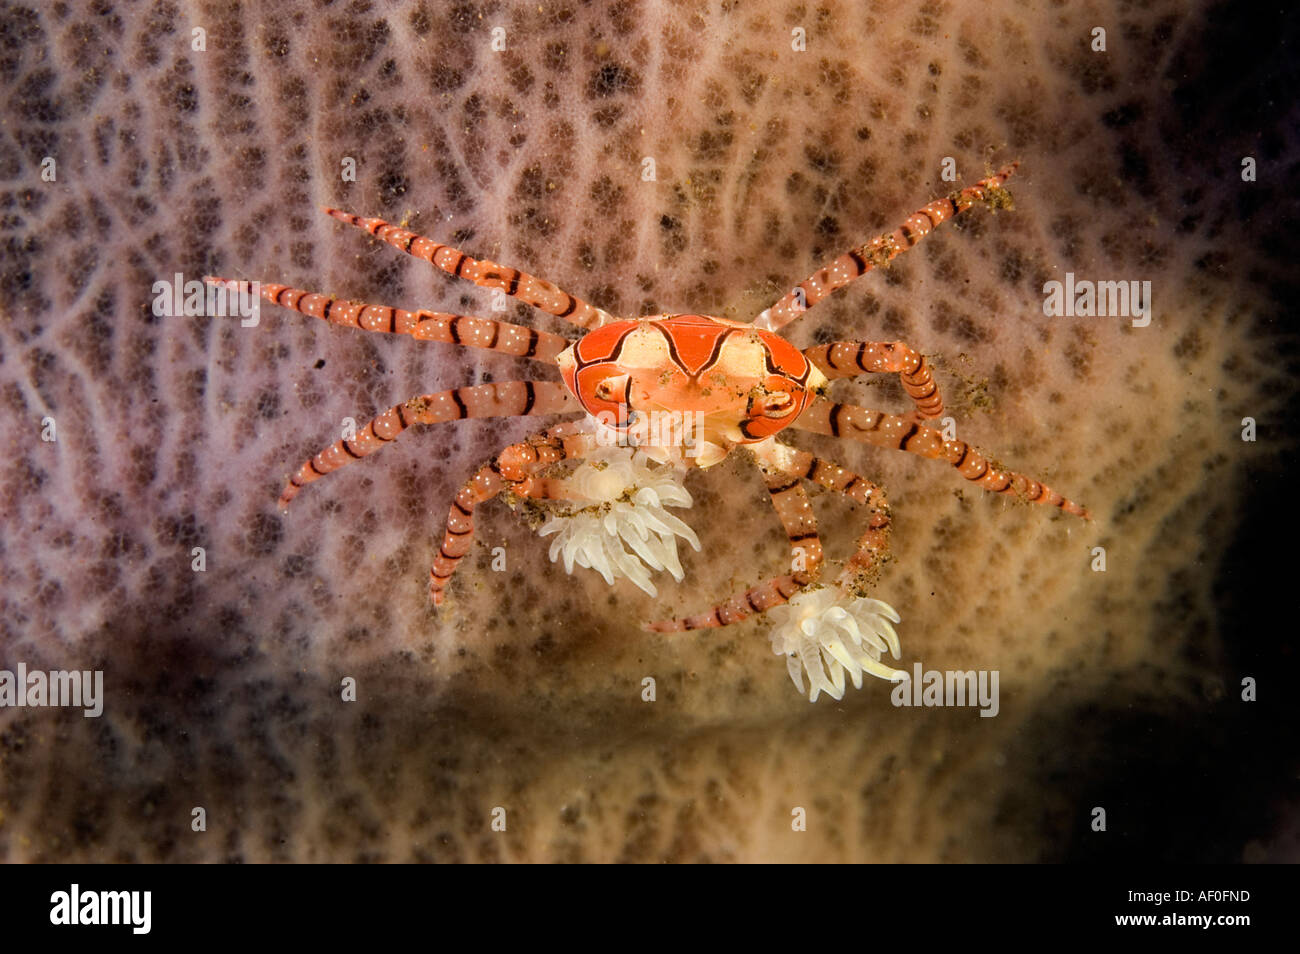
<point>548,488</point>
<point>874,543</point>
<point>794,510</point>
<point>486,333</point>
<point>883,249</point>
<point>901,432</point>
<point>846,359</point>
<point>527,288</point>
<point>512,469</point>
<point>506,399</point>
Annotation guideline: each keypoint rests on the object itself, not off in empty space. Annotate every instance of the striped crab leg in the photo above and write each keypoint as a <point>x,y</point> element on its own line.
<point>473,332</point>
<point>846,359</point>
<point>872,546</point>
<point>902,432</point>
<point>794,510</point>
<point>527,288</point>
<point>884,249</point>
<point>513,469</point>
<point>505,399</point>
<point>548,488</point>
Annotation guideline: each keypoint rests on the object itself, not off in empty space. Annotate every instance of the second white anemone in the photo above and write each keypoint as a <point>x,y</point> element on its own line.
<point>823,632</point>
<point>622,500</point>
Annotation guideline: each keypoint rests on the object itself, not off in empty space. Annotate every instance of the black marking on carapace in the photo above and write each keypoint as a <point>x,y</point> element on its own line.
<point>580,363</point>
<point>772,368</point>
<point>677,358</point>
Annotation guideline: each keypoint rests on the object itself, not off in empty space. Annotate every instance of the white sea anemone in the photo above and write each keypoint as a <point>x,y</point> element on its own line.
<point>623,501</point>
<point>824,632</point>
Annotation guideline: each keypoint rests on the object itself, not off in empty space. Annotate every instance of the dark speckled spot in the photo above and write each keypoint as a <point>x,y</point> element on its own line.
<point>445,79</point>
<point>263,533</point>
<point>420,20</point>
<point>612,79</point>
<point>556,56</point>
<point>268,405</point>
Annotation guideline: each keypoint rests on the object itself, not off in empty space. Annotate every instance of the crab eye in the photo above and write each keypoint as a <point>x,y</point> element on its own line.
<point>780,403</point>
<point>614,389</point>
<point>771,403</point>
